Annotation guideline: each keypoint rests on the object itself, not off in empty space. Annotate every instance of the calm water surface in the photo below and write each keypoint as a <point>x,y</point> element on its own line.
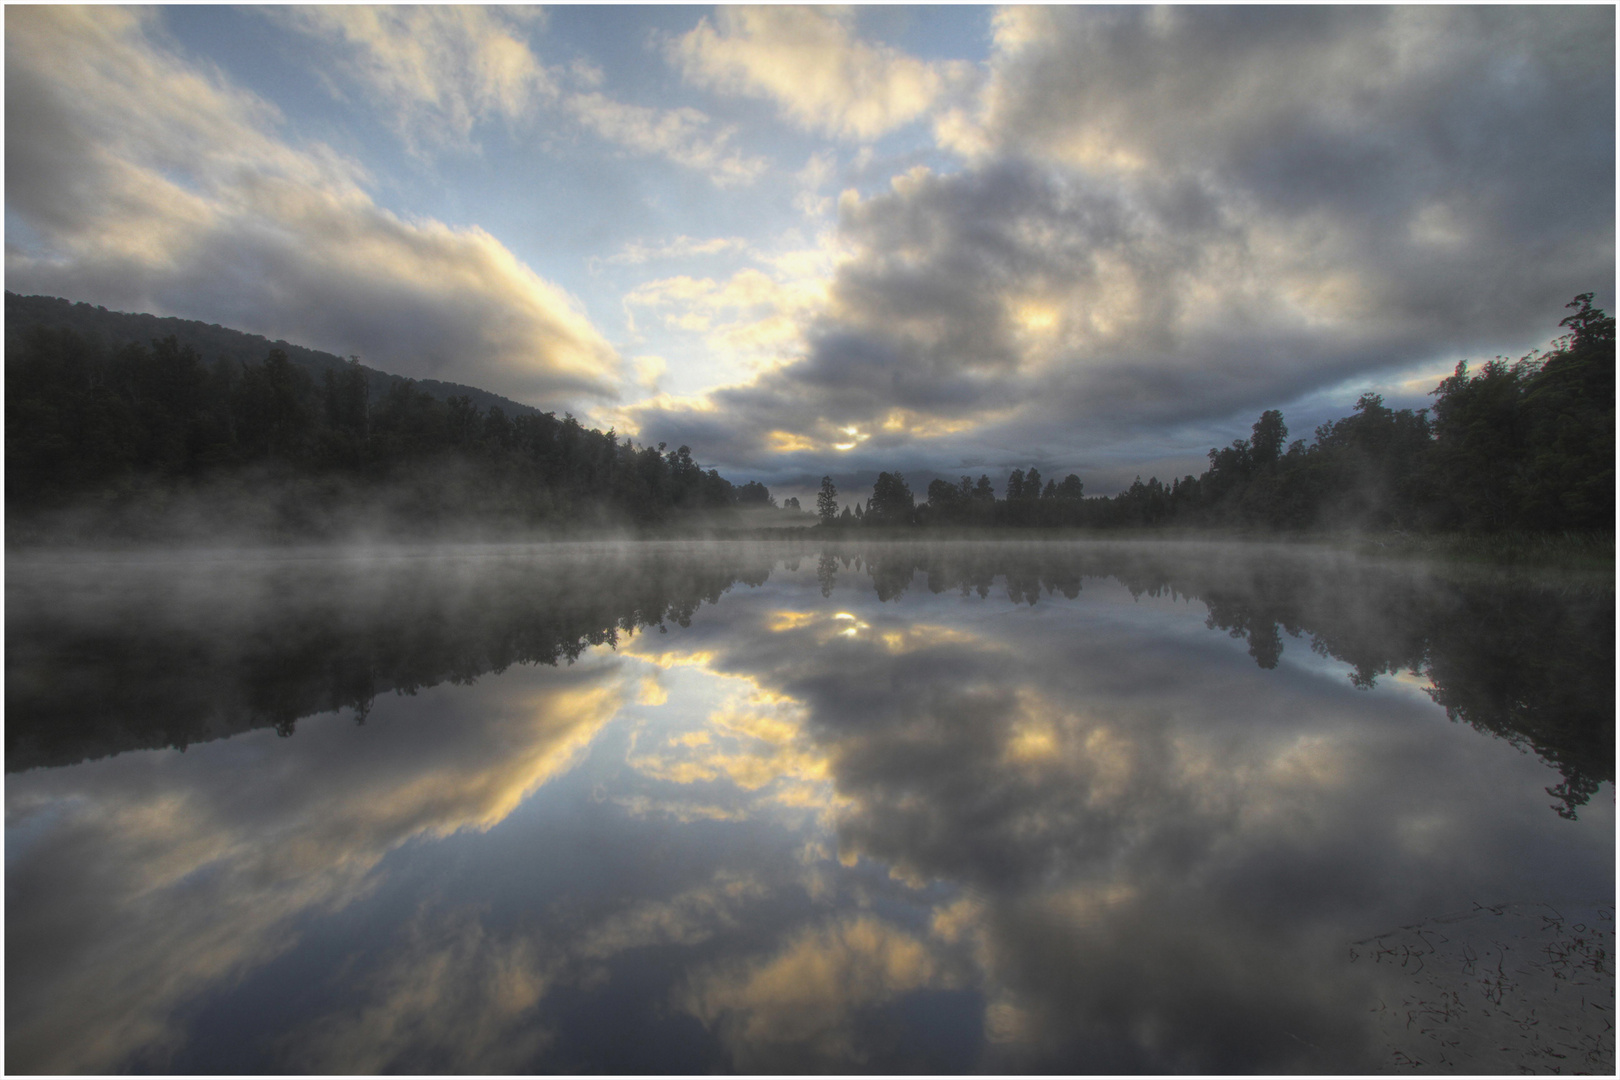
<point>951,808</point>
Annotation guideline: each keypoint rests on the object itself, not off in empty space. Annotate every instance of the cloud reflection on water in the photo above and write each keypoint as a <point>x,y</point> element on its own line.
<point>161,873</point>
<point>808,828</point>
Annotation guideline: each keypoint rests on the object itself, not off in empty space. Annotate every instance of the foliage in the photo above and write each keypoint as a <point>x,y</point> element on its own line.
<point>891,502</point>
<point>136,426</point>
<point>1526,446</point>
<point>1523,447</point>
<point>827,501</point>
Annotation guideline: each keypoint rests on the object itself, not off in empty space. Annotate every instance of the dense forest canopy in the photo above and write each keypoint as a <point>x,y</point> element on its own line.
<point>214,342</point>
<point>127,426</point>
<point>96,417</point>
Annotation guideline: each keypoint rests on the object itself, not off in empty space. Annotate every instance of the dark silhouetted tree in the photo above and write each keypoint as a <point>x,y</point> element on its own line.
<point>892,502</point>
<point>1270,433</point>
<point>827,501</point>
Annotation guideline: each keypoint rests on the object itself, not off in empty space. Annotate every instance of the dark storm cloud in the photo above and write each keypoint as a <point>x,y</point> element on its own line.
<point>1173,218</point>
<point>1360,109</point>
<point>1488,130</point>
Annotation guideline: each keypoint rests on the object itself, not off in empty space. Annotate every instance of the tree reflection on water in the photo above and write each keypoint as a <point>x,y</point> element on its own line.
<point>768,808</point>
<point>265,645</point>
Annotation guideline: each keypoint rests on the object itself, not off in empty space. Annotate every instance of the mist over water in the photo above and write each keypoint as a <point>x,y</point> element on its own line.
<point>946,807</point>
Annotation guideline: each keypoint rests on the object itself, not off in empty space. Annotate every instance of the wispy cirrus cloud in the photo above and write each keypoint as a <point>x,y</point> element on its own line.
<point>682,247</point>
<point>452,989</point>
<point>437,72</point>
<point>749,311</point>
<point>683,135</point>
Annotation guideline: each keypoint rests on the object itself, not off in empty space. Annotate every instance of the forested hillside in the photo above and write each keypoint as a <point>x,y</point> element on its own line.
<point>136,437</point>
<point>215,342</point>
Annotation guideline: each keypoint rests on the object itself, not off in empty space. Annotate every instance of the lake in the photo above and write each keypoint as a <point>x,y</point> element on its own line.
<point>951,807</point>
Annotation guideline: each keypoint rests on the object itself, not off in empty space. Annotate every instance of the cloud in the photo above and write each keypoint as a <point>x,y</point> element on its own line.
<point>1112,870</point>
<point>682,247</point>
<point>438,71</point>
<point>1170,218</point>
<point>753,740</point>
<point>752,313</point>
<point>986,294</point>
<point>686,919</point>
<point>1138,877</point>
<point>146,184</point>
<point>797,1008</point>
<point>673,133</point>
<point>1458,161</point>
<point>752,321</point>
<point>809,62</point>
<point>451,992</point>
<point>196,875</point>
<point>817,171</point>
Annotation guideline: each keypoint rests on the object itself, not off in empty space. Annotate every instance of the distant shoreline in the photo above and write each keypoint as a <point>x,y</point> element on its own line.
<point>1561,551</point>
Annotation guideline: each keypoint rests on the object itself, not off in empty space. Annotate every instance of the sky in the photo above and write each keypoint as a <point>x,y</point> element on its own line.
<point>807,241</point>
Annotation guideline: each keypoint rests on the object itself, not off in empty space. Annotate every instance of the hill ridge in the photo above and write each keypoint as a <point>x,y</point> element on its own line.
<point>214,341</point>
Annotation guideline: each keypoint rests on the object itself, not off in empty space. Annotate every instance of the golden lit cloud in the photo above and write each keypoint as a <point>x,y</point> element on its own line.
<point>1036,316</point>
<point>791,620</point>
<point>1032,742</point>
<point>652,692</point>
<point>809,61</point>
<point>754,740</point>
<point>682,247</point>
<point>802,999</point>
<point>919,425</point>
<point>785,442</point>
<point>956,920</point>
<point>648,370</point>
<point>852,437</point>
<point>645,648</point>
<point>753,319</point>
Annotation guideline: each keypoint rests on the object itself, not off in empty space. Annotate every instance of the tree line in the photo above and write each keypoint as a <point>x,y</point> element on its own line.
<point>228,647</point>
<point>1520,446</point>
<point>133,423</point>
